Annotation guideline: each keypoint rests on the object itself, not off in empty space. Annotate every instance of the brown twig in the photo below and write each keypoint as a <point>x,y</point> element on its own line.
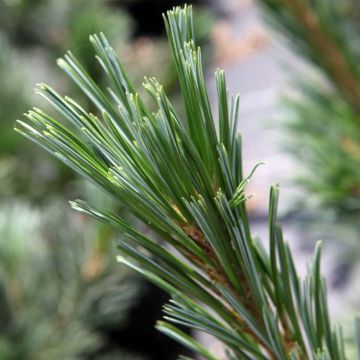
<point>216,275</point>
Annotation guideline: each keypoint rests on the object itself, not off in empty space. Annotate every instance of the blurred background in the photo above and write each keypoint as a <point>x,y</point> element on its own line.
<point>62,295</point>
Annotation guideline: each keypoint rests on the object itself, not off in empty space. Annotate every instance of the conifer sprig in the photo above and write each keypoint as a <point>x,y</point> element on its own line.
<point>185,182</point>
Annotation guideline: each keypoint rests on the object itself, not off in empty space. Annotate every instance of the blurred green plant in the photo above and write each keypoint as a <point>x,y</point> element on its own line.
<point>13,94</point>
<point>62,283</point>
<point>324,114</point>
<point>185,182</point>
<point>54,24</point>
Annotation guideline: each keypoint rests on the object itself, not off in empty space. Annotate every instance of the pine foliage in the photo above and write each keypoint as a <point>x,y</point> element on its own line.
<point>184,180</point>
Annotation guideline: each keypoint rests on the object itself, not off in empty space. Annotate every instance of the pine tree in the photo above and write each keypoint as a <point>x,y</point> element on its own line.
<point>186,183</point>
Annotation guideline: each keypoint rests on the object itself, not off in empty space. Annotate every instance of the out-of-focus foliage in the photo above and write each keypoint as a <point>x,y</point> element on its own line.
<point>56,287</point>
<point>326,139</point>
<point>324,115</point>
<point>13,94</point>
<point>58,24</point>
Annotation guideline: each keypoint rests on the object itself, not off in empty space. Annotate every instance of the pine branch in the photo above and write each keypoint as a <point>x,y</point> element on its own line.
<point>186,184</point>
